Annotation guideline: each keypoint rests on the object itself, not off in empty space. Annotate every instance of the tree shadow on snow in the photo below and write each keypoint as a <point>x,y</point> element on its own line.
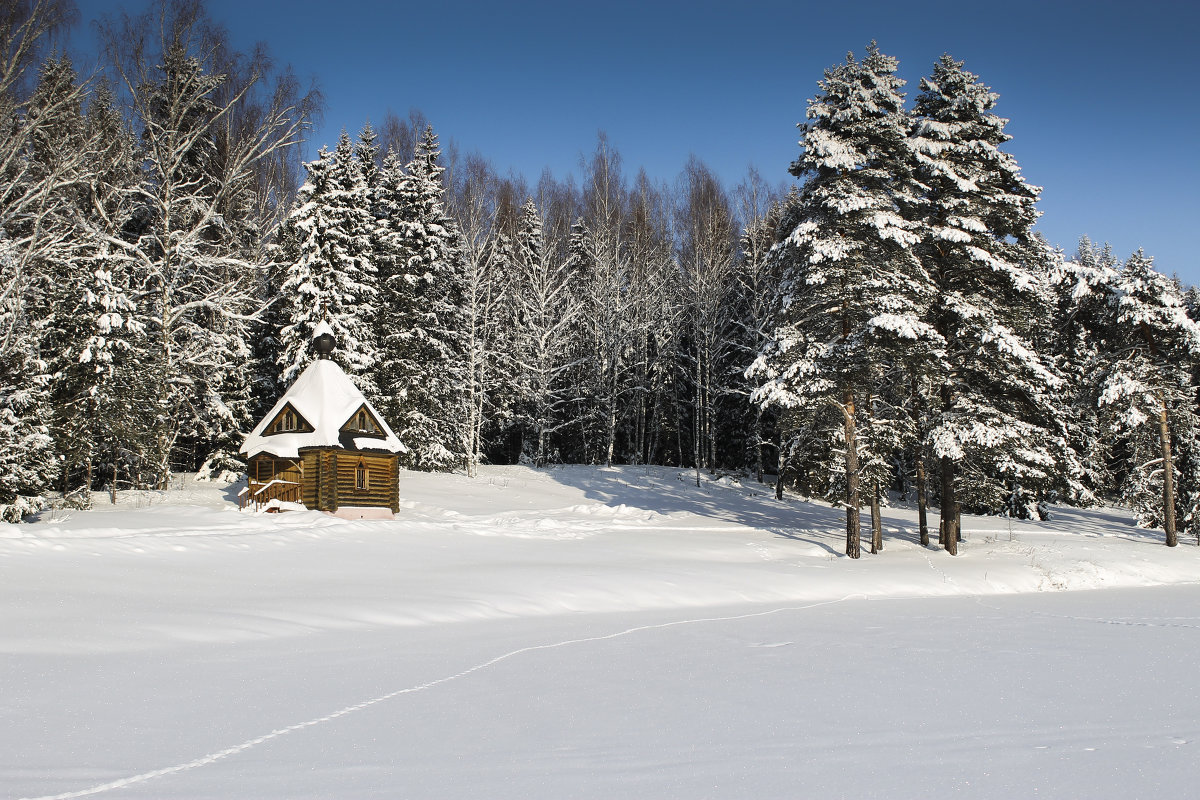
<point>1097,522</point>
<point>666,490</point>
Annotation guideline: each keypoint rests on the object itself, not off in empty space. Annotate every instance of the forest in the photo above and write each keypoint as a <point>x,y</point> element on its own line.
<point>882,322</point>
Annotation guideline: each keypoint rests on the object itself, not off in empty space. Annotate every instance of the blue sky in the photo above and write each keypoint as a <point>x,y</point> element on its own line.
<point>1102,96</point>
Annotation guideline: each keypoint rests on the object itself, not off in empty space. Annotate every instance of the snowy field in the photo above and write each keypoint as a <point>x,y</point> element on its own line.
<point>590,633</point>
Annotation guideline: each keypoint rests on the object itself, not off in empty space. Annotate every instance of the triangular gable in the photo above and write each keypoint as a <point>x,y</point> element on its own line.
<point>363,423</point>
<point>288,420</point>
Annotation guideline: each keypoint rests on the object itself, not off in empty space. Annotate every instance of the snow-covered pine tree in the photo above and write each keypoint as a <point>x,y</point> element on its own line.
<point>332,278</point>
<point>422,321</point>
<point>1081,287</point>
<point>1146,395</point>
<point>27,459</point>
<point>88,326</point>
<point>1188,457</point>
<point>849,274</point>
<point>57,135</point>
<point>366,155</point>
<point>997,433</point>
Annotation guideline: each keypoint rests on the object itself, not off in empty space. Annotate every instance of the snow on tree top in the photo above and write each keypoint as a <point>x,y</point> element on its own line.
<point>325,396</point>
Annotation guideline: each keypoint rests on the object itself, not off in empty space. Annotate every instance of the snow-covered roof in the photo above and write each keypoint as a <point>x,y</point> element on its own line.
<point>326,398</point>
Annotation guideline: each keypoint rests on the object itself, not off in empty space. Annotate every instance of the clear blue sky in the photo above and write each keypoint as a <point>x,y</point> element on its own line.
<point>1102,96</point>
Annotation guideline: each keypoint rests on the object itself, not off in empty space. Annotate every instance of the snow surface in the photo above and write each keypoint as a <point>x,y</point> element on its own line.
<point>325,396</point>
<point>589,632</point>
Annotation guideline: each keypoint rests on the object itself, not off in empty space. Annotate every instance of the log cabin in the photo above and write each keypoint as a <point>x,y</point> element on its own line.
<point>323,445</point>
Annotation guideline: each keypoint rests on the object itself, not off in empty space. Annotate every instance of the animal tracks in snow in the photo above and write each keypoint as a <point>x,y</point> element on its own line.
<point>241,747</point>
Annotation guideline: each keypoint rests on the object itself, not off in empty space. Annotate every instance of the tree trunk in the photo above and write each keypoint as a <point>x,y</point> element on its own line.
<point>853,547</point>
<point>697,425</point>
<point>876,522</point>
<point>922,500</point>
<point>758,444</point>
<point>919,464</point>
<point>949,515</point>
<point>779,459</point>
<point>1164,435</point>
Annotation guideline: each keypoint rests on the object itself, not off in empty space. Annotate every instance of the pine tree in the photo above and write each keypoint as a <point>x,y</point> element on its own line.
<point>27,459</point>
<point>848,269</point>
<point>1081,287</point>
<point>1146,394</point>
<point>996,420</point>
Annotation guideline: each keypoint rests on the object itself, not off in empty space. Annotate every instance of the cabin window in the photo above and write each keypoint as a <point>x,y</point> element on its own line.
<point>362,422</point>
<point>362,476</point>
<point>288,421</point>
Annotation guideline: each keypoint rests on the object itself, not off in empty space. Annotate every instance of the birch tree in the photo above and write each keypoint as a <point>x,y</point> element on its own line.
<point>706,252</point>
<point>205,138</point>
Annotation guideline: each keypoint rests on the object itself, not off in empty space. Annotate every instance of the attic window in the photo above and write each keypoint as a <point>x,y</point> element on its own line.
<point>288,421</point>
<point>362,422</point>
<point>362,476</point>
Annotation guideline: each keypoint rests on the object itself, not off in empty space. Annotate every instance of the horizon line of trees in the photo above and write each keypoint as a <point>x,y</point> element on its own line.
<point>891,323</point>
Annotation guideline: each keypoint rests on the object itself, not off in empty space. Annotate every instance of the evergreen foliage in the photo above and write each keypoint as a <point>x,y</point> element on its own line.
<point>850,281</point>
<point>996,418</point>
<point>332,278</point>
<point>422,321</point>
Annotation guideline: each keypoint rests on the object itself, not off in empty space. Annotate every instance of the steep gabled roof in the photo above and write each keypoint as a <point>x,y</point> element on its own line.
<point>326,398</point>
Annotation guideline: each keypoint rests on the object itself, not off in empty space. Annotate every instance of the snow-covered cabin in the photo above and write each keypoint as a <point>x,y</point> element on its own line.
<point>323,444</point>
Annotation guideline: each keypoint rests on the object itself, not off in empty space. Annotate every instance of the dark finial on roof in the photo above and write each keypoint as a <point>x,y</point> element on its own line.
<point>323,341</point>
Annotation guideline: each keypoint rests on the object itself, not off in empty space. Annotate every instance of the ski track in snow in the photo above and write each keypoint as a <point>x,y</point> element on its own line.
<point>279,732</point>
<point>1098,620</point>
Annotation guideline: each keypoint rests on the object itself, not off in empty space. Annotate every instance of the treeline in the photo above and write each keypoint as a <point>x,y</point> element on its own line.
<point>610,322</point>
<point>893,323</point>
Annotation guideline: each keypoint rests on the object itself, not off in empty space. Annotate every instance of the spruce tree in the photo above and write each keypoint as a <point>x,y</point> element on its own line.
<point>422,321</point>
<point>849,274</point>
<point>332,278</point>
<point>996,421</point>
<point>1146,394</point>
